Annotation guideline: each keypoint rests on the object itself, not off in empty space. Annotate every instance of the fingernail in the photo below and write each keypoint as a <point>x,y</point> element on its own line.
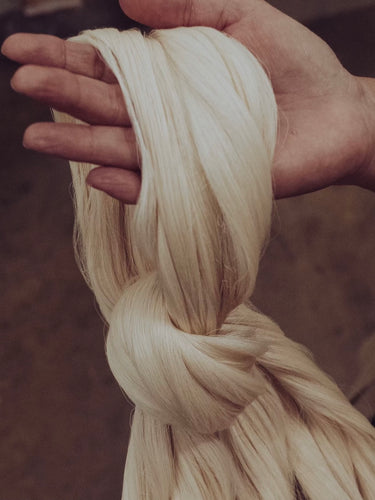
<point>2,48</point>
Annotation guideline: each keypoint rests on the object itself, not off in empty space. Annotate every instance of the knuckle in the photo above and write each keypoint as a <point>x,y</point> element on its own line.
<point>115,98</point>
<point>45,83</point>
<point>99,66</point>
<point>92,140</point>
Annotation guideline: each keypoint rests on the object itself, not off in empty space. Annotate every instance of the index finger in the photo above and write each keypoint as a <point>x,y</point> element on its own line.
<point>48,50</point>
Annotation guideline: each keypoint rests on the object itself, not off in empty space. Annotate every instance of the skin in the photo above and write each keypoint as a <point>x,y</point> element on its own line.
<point>326,115</point>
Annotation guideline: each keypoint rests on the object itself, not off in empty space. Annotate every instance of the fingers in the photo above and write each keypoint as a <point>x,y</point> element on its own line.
<point>71,84</point>
<point>112,146</point>
<point>162,14</point>
<point>47,50</point>
<point>124,185</point>
<point>90,100</point>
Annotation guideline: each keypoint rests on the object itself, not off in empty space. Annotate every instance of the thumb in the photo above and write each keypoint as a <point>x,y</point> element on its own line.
<point>173,13</point>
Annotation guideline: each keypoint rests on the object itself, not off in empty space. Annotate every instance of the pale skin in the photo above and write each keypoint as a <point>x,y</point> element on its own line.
<point>327,116</point>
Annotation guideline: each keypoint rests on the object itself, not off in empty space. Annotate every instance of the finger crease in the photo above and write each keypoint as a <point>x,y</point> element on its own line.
<point>116,110</point>
<point>64,55</point>
<point>92,143</point>
<point>99,66</point>
<point>78,93</point>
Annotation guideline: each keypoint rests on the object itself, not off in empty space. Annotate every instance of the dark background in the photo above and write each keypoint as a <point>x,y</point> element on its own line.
<point>63,421</point>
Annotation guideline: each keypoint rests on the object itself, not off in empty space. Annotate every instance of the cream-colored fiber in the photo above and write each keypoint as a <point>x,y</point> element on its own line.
<point>226,407</point>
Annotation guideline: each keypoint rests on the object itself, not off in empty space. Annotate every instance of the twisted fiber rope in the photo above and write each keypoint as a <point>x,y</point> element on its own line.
<point>226,407</point>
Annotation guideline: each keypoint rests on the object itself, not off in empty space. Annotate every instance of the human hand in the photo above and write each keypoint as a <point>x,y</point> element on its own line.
<point>326,135</point>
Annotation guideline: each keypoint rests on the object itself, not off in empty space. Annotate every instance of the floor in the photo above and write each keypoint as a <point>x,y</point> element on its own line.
<point>64,422</point>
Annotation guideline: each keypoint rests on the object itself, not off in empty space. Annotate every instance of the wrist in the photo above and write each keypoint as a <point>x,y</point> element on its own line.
<point>365,176</point>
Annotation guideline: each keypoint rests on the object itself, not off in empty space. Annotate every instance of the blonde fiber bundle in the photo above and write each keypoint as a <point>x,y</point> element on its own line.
<point>226,407</point>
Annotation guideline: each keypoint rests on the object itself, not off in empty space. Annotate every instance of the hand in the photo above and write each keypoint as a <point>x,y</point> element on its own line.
<point>327,132</point>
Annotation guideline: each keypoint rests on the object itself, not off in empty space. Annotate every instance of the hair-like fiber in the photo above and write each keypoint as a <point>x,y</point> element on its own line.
<point>226,406</point>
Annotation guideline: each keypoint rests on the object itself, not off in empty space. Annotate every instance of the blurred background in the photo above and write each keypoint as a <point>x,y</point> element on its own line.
<point>64,423</point>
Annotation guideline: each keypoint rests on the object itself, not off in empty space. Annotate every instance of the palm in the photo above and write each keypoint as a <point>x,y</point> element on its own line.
<point>318,100</point>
